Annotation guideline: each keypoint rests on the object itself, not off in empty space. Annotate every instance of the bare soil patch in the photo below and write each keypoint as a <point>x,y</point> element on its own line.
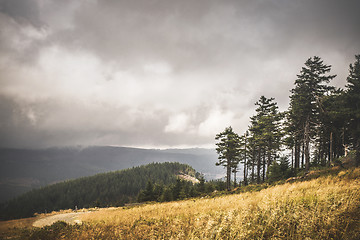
<point>70,218</point>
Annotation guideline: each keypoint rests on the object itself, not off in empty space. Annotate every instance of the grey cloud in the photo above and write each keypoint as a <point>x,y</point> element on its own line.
<point>15,126</point>
<point>47,123</point>
<point>222,56</point>
<point>24,12</point>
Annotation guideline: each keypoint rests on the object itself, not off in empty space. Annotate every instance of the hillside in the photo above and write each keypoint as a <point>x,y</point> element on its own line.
<point>25,169</point>
<point>106,189</point>
<point>324,205</point>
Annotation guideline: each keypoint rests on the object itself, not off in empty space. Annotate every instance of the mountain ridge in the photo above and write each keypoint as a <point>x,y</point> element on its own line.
<point>26,169</point>
<point>104,189</point>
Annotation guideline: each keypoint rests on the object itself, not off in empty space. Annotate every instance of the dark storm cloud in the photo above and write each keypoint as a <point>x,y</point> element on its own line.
<point>156,72</point>
<point>24,12</point>
<point>185,28</point>
<point>15,125</point>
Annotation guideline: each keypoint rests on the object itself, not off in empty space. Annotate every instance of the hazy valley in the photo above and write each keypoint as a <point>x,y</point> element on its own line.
<point>23,169</point>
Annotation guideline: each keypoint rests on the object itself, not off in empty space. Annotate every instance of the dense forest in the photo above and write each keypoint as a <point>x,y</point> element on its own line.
<point>321,124</point>
<point>25,169</point>
<point>106,189</point>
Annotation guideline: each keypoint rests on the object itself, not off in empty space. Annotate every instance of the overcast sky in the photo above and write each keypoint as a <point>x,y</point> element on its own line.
<point>157,73</point>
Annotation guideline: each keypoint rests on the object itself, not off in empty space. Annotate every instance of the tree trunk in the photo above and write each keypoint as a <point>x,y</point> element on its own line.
<point>357,153</point>
<point>321,153</point>
<point>264,167</point>
<point>235,178</point>
<point>268,163</point>
<point>297,154</point>
<point>258,177</point>
<point>331,154</point>
<point>245,168</point>
<point>302,153</point>
<point>292,158</point>
<point>228,176</point>
<point>253,167</point>
<point>246,176</point>
<point>307,143</point>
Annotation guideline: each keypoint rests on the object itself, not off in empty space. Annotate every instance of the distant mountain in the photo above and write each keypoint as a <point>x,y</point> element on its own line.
<point>104,189</point>
<point>24,169</point>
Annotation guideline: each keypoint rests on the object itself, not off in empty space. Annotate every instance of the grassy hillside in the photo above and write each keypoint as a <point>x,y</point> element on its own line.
<point>326,206</point>
<point>106,189</point>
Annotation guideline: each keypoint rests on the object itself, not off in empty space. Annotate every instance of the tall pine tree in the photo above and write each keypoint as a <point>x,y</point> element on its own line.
<point>310,87</point>
<point>266,134</point>
<point>228,148</point>
<point>353,105</point>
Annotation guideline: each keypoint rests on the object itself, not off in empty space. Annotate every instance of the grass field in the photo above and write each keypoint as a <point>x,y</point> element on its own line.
<point>326,207</point>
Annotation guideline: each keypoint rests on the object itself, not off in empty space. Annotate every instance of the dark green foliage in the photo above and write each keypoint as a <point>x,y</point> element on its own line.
<point>179,190</point>
<point>310,87</point>
<point>228,148</point>
<point>279,170</point>
<point>201,185</point>
<point>321,125</point>
<point>147,194</point>
<point>108,189</point>
<point>35,168</point>
<point>332,129</point>
<point>166,195</point>
<point>352,97</point>
<point>265,136</point>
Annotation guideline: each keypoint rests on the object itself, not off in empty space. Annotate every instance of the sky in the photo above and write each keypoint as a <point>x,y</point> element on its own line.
<point>157,73</point>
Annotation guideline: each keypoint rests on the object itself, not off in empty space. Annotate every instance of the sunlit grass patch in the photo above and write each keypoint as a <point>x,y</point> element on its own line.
<point>326,207</point>
<point>321,208</point>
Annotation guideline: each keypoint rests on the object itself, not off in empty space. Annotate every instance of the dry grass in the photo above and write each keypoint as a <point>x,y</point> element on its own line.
<point>7,226</point>
<point>12,227</point>
<point>327,207</point>
<point>323,208</point>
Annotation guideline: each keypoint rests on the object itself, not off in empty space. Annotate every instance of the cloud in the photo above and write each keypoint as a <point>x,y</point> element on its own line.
<point>158,68</point>
<point>157,73</point>
<point>178,123</point>
<point>23,12</point>
<point>215,122</point>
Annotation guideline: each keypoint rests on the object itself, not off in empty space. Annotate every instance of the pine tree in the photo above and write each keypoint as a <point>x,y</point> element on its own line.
<point>148,193</point>
<point>279,170</point>
<point>252,158</point>
<point>176,190</point>
<point>310,87</point>
<point>228,148</point>
<point>245,156</point>
<point>266,134</point>
<point>167,195</point>
<point>332,130</point>
<point>353,104</point>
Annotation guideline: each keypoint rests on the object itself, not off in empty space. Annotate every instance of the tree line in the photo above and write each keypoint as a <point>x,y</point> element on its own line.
<point>101,190</point>
<point>321,124</point>
<point>181,189</point>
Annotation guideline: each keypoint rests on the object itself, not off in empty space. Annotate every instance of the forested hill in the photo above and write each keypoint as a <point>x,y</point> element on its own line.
<point>106,189</point>
<point>25,169</point>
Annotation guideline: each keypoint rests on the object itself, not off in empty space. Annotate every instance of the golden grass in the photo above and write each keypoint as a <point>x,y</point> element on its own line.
<point>327,207</point>
<point>11,227</point>
<point>323,208</point>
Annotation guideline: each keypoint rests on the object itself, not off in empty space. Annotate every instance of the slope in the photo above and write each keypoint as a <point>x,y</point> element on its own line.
<point>113,188</point>
<point>325,206</point>
<point>25,169</point>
